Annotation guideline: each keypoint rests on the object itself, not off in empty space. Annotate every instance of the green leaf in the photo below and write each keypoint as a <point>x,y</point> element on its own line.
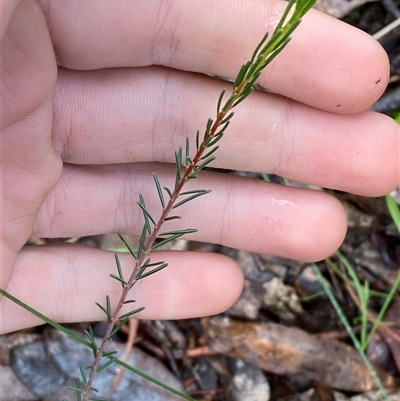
<point>168,192</point>
<point>159,190</point>
<point>394,210</point>
<point>195,191</point>
<point>221,96</point>
<point>209,153</point>
<point>204,163</point>
<point>178,166</point>
<point>83,373</point>
<point>220,133</point>
<point>189,198</point>
<point>118,327</point>
<point>227,118</point>
<point>192,175</point>
<point>146,213</point>
<point>165,241</point>
<point>242,72</point>
<point>107,354</point>
<point>131,251</point>
<point>78,389</point>
<point>132,312</point>
<point>142,240</point>
<point>286,12</point>
<point>107,309</point>
<point>182,232</point>
<point>157,269</point>
<point>129,301</point>
<point>188,160</point>
<point>212,140</point>
<point>90,335</point>
<point>245,93</point>
<point>143,268</point>
<point>153,264</point>
<point>122,281</point>
<point>119,269</point>
<point>257,49</point>
<point>172,218</point>
<point>178,157</point>
<point>209,125</point>
<point>106,364</point>
<point>197,139</point>
<point>303,7</point>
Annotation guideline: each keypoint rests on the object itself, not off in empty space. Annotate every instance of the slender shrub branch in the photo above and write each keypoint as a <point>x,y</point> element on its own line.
<point>188,168</point>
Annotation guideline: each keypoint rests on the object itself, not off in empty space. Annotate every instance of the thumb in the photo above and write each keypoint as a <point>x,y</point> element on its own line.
<point>7,8</point>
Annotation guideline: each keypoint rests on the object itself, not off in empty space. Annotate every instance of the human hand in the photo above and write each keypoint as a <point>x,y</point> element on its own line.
<point>97,95</point>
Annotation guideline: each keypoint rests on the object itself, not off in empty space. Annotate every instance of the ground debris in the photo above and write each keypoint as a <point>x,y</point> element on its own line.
<point>46,366</point>
<point>339,8</point>
<point>291,351</point>
<point>394,395</point>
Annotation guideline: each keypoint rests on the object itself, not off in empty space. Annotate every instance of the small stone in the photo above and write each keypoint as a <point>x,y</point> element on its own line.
<point>282,300</point>
<point>11,388</point>
<point>34,368</point>
<point>248,382</point>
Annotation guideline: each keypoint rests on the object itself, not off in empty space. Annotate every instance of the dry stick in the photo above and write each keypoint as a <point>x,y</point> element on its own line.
<point>384,31</point>
<point>133,328</point>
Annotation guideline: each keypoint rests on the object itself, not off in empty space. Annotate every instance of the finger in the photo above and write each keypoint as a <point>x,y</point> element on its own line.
<point>328,64</point>
<point>68,280</point>
<point>240,213</point>
<point>29,164</point>
<point>145,114</point>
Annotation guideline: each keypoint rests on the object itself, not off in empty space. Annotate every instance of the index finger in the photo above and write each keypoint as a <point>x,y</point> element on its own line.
<point>328,64</point>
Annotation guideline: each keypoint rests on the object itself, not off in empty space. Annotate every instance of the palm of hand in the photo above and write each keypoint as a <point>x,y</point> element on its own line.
<point>93,118</point>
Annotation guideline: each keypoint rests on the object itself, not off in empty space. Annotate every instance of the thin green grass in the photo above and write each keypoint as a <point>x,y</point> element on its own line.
<point>93,346</point>
<point>325,284</point>
<point>364,294</point>
<point>393,210</point>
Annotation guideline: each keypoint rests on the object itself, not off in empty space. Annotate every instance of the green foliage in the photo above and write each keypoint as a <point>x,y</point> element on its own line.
<point>364,294</point>
<point>349,329</point>
<point>394,211</point>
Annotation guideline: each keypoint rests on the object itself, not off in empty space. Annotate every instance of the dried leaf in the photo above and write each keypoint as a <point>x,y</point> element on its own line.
<point>291,351</point>
<point>392,341</point>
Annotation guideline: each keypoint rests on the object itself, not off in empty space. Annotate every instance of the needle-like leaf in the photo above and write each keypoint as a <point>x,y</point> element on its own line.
<point>189,198</point>
<point>159,190</point>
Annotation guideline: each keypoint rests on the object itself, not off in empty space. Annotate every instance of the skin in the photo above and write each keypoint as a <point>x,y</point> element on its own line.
<point>97,95</point>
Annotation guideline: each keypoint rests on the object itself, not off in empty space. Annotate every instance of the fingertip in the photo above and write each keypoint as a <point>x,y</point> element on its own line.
<point>386,172</point>
<point>348,78</point>
<point>316,231</point>
<point>372,67</point>
<point>194,284</point>
<point>329,235</point>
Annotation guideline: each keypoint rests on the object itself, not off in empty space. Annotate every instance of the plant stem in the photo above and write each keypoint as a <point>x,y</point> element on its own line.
<point>264,53</point>
<point>153,236</point>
